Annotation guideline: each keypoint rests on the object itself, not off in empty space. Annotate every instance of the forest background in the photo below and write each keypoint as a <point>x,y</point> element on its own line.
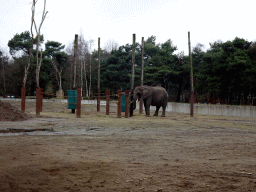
<point>225,73</point>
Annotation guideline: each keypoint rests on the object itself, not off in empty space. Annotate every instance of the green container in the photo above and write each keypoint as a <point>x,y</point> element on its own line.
<point>72,95</point>
<point>123,101</point>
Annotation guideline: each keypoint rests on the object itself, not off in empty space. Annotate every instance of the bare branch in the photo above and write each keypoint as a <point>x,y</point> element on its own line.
<point>43,16</point>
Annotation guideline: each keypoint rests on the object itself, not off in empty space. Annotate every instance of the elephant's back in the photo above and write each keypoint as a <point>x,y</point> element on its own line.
<point>159,96</point>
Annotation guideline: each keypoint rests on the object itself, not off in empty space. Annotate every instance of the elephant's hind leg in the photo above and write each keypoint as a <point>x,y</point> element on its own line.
<point>157,109</point>
<point>163,113</point>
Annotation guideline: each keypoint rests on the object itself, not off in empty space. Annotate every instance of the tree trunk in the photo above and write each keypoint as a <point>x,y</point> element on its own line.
<point>81,78</point>
<point>75,54</point>
<point>98,63</point>
<point>142,72</point>
<point>98,97</point>
<point>4,75</point>
<point>133,62</point>
<point>37,62</point>
<point>60,85</point>
<point>90,83</point>
<point>191,79</point>
<point>86,82</point>
<point>132,76</point>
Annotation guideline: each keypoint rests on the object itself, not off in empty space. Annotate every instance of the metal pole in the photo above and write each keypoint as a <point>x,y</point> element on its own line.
<point>191,79</point>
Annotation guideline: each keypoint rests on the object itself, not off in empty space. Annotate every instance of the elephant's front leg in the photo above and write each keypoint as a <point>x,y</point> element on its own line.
<point>147,107</point>
<point>157,109</point>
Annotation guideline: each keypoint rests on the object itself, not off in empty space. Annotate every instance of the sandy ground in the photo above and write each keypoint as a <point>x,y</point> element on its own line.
<point>105,153</point>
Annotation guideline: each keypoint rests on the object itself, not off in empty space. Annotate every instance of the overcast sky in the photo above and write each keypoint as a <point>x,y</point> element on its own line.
<point>207,20</point>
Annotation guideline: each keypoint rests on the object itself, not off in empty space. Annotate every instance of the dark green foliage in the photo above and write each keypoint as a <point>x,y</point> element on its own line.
<point>22,42</point>
<point>226,71</point>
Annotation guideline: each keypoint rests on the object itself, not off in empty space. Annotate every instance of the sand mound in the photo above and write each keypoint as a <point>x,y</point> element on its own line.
<point>10,113</point>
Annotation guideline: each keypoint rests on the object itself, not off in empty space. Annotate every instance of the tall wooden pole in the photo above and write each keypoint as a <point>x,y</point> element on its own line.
<point>142,61</point>
<point>98,98</point>
<point>75,55</point>
<point>133,61</point>
<point>142,71</point>
<point>132,77</point>
<point>191,79</point>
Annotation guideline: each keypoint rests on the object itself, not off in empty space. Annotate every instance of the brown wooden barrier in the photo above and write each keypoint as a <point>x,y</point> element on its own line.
<point>23,97</point>
<point>127,103</point>
<point>78,104</point>
<point>131,111</point>
<point>98,101</point>
<point>119,103</point>
<point>39,100</point>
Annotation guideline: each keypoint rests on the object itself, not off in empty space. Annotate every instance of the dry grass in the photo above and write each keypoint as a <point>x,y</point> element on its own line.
<point>171,121</point>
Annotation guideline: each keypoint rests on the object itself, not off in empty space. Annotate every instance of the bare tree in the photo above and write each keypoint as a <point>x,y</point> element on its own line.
<point>38,32</point>
<point>82,54</point>
<point>31,45</point>
<point>91,42</point>
<point>59,71</point>
<point>84,59</point>
<point>111,45</point>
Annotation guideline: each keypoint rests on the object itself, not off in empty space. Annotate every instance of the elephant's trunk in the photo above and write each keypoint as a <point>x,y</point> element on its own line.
<point>134,105</point>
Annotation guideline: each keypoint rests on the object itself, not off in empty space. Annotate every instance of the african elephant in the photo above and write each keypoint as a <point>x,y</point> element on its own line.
<point>155,96</point>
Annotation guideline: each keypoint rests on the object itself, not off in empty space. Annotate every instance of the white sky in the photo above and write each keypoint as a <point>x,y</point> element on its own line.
<point>207,20</point>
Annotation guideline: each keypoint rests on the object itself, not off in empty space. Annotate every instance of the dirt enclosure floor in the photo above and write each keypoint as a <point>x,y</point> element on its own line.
<point>59,152</point>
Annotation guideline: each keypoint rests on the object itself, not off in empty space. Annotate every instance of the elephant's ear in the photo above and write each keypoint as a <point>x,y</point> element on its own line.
<point>145,93</point>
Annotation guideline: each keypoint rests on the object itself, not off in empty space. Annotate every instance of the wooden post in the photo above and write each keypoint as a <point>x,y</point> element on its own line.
<point>107,101</point>
<point>75,55</point>
<point>119,103</point>
<point>142,72</point>
<point>37,101</point>
<point>132,77</point>
<point>191,80</point>
<point>131,105</point>
<point>23,98</point>
<point>41,99</point>
<point>98,99</point>
<point>142,61</point>
<point>78,103</point>
<point>127,103</point>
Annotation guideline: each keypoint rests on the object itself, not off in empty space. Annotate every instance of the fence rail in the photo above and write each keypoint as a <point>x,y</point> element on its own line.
<point>201,109</point>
